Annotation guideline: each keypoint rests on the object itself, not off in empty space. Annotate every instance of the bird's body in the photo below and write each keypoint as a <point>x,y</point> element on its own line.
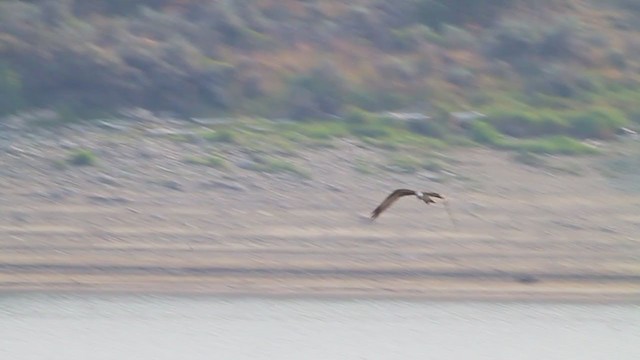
<point>425,196</point>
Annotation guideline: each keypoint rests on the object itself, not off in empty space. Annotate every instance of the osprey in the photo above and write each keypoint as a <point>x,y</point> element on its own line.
<point>425,196</point>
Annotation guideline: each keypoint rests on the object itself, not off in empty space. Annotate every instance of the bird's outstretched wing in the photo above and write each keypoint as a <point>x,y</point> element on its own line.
<point>453,220</point>
<point>390,200</point>
<point>433,194</point>
<point>446,206</point>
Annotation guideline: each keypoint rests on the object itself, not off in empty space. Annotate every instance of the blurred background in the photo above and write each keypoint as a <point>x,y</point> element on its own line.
<point>179,179</point>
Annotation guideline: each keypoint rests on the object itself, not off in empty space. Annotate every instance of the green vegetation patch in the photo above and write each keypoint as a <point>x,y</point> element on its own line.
<point>542,162</point>
<point>274,165</point>
<point>484,133</point>
<point>527,123</point>
<point>562,145</point>
<point>364,167</point>
<point>213,161</point>
<point>318,130</point>
<point>411,164</point>
<point>600,123</point>
<point>11,98</point>
<point>82,157</point>
<point>222,135</point>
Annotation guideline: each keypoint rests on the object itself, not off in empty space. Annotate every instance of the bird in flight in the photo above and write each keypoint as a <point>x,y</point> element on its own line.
<point>425,196</point>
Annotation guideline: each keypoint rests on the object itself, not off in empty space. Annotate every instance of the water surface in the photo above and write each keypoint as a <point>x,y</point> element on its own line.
<point>64,327</point>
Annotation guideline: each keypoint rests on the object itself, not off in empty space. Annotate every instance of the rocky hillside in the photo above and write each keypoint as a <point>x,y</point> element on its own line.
<point>556,67</point>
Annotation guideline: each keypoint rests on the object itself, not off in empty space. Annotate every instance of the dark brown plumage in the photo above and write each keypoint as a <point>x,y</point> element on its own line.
<point>422,195</point>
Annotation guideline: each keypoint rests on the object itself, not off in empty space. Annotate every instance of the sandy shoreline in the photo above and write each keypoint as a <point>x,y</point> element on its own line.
<point>450,297</point>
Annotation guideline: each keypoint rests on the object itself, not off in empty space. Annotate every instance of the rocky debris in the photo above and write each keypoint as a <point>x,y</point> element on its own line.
<point>245,164</point>
<point>225,185</point>
<point>18,151</point>
<point>158,217</point>
<point>628,132</point>
<point>333,187</point>
<point>21,120</point>
<point>526,279</point>
<point>473,208</point>
<point>171,184</point>
<point>430,175</point>
<point>607,229</point>
<point>107,180</point>
<point>67,144</point>
<point>112,125</point>
<point>259,129</point>
<point>20,217</point>
<point>138,114</point>
<point>211,121</point>
<point>465,118</point>
<point>171,132</point>
<point>108,200</point>
<point>55,195</point>
<point>147,152</point>
<point>404,116</point>
<point>566,224</point>
<point>594,143</point>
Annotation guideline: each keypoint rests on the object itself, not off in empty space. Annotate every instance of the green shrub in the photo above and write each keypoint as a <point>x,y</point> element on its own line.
<point>356,116</point>
<point>280,145</point>
<point>277,166</point>
<point>537,161</point>
<point>318,92</point>
<point>315,130</point>
<point>82,157</point>
<point>224,135</point>
<point>427,127</point>
<point>10,90</point>
<point>617,58</point>
<point>560,80</point>
<point>367,125</point>
<point>405,164</point>
<point>324,132</point>
<point>439,13</point>
<point>213,161</point>
<point>517,40</point>
<point>549,145</point>
<point>631,5</point>
<point>523,123</point>
<point>409,37</point>
<point>601,123</point>
<point>433,165</point>
<point>375,98</point>
<point>484,133</point>
<point>411,164</point>
<point>460,76</point>
<point>634,116</point>
<point>455,37</point>
<point>364,167</point>
<point>374,131</point>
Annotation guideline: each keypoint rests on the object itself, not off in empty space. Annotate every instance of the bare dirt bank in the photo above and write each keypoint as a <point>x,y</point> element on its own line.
<point>144,220</point>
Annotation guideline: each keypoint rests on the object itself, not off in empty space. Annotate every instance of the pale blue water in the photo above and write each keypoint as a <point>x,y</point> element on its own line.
<point>46,327</point>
